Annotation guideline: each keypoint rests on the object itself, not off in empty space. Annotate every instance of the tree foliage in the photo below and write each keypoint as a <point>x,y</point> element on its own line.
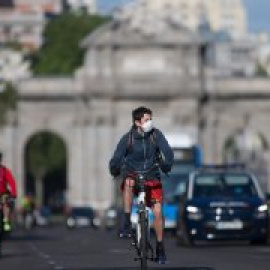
<point>8,101</point>
<point>261,71</point>
<point>61,53</point>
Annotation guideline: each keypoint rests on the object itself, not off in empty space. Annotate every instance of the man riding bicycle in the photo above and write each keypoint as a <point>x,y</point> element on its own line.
<point>7,190</point>
<point>139,150</point>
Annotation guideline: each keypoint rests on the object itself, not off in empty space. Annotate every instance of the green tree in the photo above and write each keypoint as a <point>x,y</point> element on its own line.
<point>8,100</point>
<point>261,71</point>
<point>61,53</point>
<point>45,153</point>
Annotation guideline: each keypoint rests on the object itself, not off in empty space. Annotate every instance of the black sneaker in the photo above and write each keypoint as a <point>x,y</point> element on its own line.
<point>126,232</point>
<point>161,257</point>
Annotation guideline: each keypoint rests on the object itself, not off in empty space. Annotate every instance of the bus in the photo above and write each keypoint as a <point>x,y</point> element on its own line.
<point>187,159</point>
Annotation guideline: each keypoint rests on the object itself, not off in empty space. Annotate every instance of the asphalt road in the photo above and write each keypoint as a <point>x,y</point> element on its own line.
<point>82,249</point>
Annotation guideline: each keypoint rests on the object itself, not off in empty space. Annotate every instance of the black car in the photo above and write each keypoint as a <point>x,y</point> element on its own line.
<point>222,204</point>
<point>81,217</point>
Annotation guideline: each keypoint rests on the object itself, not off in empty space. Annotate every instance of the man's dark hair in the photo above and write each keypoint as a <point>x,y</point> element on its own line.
<point>1,156</point>
<point>138,113</point>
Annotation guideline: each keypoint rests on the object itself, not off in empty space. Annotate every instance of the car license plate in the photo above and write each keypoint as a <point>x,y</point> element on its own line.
<point>229,225</point>
<point>82,221</point>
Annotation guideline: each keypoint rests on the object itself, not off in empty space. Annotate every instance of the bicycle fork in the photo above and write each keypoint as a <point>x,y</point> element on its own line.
<point>143,213</point>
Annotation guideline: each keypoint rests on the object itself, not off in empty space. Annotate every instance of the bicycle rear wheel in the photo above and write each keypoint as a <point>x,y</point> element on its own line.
<point>143,241</point>
<point>1,231</point>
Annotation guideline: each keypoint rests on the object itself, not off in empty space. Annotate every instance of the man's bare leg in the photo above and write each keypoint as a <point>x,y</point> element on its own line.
<point>158,226</point>
<point>127,199</point>
<point>128,194</point>
<point>158,221</point>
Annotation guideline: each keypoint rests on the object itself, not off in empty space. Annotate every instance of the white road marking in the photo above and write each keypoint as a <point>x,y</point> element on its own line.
<point>47,257</point>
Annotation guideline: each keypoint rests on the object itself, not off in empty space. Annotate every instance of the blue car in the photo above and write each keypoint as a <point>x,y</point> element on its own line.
<point>222,204</point>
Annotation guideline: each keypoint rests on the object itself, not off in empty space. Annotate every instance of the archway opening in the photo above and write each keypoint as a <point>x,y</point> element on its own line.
<point>251,149</point>
<point>46,170</point>
<point>245,146</point>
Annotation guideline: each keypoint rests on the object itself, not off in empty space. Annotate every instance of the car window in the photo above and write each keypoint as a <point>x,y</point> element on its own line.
<point>215,184</point>
<point>174,185</point>
<point>240,185</point>
<point>82,211</point>
<point>207,185</point>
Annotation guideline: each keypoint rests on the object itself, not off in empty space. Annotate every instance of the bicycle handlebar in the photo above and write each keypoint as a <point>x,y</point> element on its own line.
<point>143,175</point>
<point>8,199</point>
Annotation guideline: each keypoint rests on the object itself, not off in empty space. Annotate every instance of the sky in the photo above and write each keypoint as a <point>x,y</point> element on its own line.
<point>258,12</point>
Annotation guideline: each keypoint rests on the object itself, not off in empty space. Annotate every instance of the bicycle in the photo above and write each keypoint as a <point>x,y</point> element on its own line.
<point>141,239</point>
<point>1,223</point>
<point>4,199</point>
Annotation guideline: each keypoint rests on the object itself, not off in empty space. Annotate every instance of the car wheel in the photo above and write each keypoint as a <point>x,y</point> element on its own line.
<point>71,223</point>
<point>260,241</point>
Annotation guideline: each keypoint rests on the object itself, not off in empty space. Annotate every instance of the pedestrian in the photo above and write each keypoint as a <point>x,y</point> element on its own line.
<point>7,191</point>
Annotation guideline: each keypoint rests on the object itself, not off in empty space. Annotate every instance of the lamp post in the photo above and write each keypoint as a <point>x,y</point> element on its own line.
<point>203,94</point>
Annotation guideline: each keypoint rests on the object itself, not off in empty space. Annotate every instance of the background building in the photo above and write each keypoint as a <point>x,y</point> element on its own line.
<point>229,15</point>
<point>44,6</point>
<point>90,6</point>
<point>23,21</point>
<point>13,67</point>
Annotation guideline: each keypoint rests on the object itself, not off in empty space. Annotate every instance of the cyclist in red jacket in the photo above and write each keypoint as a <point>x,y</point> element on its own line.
<point>7,190</point>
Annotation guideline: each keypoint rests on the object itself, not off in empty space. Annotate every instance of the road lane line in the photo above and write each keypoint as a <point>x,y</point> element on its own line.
<point>47,257</point>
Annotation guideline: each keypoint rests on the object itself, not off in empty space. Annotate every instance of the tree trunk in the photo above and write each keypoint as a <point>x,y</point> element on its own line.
<point>39,191</point>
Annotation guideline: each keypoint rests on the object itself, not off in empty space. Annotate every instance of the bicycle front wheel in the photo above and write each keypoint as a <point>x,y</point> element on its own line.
<point>143,240</point>
<point>1,231</point>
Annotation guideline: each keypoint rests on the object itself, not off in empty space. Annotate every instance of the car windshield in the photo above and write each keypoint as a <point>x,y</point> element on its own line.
<point>174,185</point>
<point>231,185</point>
<point>82,211</point>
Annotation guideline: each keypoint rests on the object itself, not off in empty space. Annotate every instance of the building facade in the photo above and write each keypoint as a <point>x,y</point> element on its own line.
<point>90,6</point>
<point>229,15</point>
<point>23,21</point>
<point>22,26</point>
<point>13,67</point>
<point>44,6</point>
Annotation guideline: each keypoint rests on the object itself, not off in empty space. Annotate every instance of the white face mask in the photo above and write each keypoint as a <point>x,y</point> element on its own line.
<point>148,126</point>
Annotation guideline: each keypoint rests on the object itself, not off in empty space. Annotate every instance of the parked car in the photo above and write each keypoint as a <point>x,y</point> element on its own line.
<point>222,203</point>
<point>80,217</point>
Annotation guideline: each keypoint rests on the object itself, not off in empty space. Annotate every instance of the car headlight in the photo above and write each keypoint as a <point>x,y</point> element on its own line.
<point>194,213</point>
<point>71,222</point>
<point>262,208</point>
<point>261,211</point>
<point>111,213</point>
<point>192,209</point>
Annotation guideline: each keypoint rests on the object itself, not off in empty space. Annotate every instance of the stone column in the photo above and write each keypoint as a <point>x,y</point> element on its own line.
<point>89,165</point>
<point>75,167</point>
<point>104,181</point>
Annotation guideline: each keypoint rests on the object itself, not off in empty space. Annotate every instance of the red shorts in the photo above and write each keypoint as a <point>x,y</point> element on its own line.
<point>153,189</point>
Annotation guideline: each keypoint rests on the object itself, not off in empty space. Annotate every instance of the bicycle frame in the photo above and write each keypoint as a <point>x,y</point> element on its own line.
<point>4,199</point>
<point>1,225</point>
<point>142,237</point>
<point>142,209</point>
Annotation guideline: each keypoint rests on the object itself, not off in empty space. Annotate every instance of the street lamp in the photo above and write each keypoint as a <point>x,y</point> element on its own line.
<point>203,94</point>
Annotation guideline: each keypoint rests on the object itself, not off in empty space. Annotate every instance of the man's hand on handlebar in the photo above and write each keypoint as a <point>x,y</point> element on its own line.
<point>115,172</point>
<point>164,167</point>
